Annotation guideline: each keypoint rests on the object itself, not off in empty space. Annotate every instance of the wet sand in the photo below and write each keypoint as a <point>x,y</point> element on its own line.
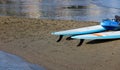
<point>31,39</point>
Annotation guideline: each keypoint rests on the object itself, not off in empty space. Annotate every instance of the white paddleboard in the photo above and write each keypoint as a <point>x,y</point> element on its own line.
<point>84,30</point>
<point>103,35</point>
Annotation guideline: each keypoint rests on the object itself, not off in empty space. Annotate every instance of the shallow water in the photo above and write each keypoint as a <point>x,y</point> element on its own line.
<point>83,10</point>
<point>13,62</point>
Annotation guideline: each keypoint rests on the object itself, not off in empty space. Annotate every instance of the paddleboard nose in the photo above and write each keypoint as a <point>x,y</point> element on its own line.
<point>53,33</point>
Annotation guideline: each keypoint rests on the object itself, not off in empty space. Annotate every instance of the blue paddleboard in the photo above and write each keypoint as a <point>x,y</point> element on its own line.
<point>102,35</point>
<point>79,31</point>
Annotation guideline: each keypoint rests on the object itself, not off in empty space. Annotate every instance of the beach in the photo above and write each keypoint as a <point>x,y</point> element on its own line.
<point>31,39</point>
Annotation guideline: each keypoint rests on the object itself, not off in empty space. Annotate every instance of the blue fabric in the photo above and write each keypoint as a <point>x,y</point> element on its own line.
<point>110,24</point>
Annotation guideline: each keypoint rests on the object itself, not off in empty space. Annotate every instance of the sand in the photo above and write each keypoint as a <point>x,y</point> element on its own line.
<point>31,39</point>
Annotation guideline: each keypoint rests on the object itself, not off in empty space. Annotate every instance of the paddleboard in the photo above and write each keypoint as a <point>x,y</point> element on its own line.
<point>103,35</point>
<point>84,30</point>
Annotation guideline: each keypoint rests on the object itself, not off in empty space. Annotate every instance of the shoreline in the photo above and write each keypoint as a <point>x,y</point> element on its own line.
<point>31,39</point>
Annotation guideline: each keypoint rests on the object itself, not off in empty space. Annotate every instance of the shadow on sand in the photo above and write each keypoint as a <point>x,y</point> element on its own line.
<point>101,41</point>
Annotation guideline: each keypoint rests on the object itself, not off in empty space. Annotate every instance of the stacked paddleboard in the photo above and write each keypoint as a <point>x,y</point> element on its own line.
<point>80,31</point>
<point>92,32</point>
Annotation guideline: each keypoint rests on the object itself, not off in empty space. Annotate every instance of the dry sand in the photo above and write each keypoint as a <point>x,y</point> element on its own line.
<point>32,40</point>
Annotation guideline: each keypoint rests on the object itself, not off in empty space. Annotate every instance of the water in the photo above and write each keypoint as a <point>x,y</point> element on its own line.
<point>79,10</point>
<point>13,62</point>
